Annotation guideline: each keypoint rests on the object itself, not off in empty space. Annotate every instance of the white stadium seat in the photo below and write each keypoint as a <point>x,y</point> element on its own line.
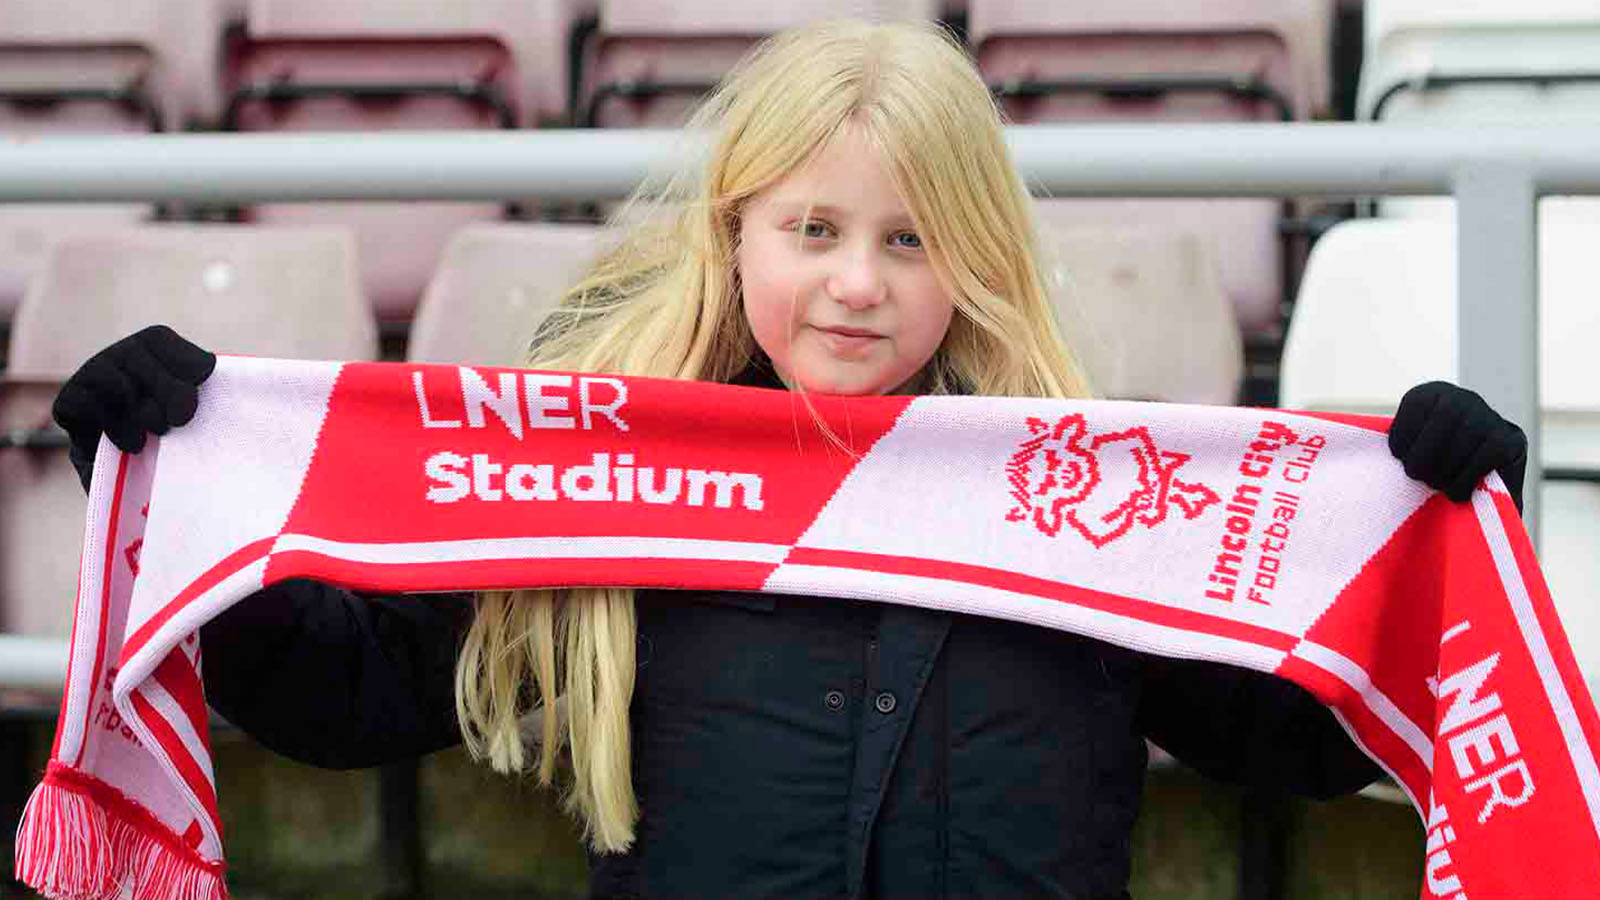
<point>1377,315</point>
<point>1461,61</point>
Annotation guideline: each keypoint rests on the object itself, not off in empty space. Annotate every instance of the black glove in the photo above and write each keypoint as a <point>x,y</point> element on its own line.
<point>1449,439</point>
<point>148,381</point>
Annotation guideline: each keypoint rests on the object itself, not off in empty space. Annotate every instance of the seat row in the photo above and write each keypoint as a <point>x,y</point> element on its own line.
<point>381,64</point>
<point>378,64</point>
<point>367,65</point>
<point>181,64</point>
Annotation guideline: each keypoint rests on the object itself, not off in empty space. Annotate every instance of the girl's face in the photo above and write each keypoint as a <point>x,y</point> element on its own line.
<point>846,301</point>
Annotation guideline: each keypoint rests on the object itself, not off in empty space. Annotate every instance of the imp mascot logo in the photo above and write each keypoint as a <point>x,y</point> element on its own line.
<point>1100,485</point>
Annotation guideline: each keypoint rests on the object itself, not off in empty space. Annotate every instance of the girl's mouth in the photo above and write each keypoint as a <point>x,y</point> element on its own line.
<point>848,341</point>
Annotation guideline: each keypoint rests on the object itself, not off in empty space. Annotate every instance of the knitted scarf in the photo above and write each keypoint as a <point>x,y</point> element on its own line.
<point>1286,542</point>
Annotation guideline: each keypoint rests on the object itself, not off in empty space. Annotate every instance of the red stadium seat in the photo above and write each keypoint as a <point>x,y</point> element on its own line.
<point>74,67</point>
<point>1195,60</point>
<point>41,514</point>
<point>494,285</point>
<point>29,230</point>
<point>1143,311</point>
<point>232,289</point>
<point>1186,60</point>
<point>132,65</point>
<point>1241,235</point>
<point>533,35</point>
<point>371,65</point>
<point>650,60</point>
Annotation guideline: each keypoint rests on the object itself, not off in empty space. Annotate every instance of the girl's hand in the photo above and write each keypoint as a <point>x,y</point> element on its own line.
<point>1449,439</point>
<point>148,381</point>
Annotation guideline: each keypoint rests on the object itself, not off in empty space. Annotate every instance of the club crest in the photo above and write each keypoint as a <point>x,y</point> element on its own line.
<point>1100,485</point>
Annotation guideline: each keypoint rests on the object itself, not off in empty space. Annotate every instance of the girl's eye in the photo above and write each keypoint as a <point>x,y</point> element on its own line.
<point>908,240</point>
<point>815,229</point>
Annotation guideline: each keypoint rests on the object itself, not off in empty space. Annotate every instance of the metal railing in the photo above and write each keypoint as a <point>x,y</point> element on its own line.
<point>1495,172</point>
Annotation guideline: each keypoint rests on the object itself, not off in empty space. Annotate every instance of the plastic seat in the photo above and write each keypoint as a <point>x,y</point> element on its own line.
<point>390,39</point>
<point>649,61</point>
<point>1188,61</point>
<point>1450,61</point>
<point>231,289</point>
<point>1453,61</point>
<point>41,516</point>
<point>1377,315</point>
<point>29,230</point>
<point>81,66</point>
<point>1413,48</point>
<point>135,65</point>
<point>1143,311</point>
<point>74,67</point>
<point>288,292</point>
<point>494,285</point>
<point>372,65</point>
<point>1240,235</point>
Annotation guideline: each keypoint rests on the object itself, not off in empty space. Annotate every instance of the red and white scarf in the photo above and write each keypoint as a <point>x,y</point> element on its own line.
<point>1285,542</point>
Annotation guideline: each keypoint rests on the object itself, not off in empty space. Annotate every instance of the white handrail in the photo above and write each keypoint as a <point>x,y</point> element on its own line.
<point>32,662</point>
<point>1307,159</point>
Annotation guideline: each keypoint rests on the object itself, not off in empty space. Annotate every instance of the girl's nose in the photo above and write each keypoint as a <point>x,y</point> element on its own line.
<point>858,282</point>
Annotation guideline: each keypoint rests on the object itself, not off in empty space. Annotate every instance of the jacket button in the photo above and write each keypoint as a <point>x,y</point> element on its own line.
<point>833,700</point>
<point>885,703</point>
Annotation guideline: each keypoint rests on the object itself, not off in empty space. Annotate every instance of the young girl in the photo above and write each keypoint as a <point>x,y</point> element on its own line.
<point>858,228</point>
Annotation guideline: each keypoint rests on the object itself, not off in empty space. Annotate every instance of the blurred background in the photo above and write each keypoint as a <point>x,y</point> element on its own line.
<point>1199,300</point>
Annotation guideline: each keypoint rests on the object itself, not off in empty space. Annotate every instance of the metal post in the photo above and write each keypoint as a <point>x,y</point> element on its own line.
<point>16,780</point>
<point>1497,266</point>
<point>400,832</point>
<point>1266,823</point>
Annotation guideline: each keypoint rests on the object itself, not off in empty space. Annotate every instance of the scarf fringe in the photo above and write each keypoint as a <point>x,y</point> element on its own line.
<point>81,840</point>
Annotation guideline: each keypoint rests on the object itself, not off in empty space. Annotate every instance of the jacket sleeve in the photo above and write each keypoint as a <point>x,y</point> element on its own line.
<point>1248,727</point>
<point>335,678</point>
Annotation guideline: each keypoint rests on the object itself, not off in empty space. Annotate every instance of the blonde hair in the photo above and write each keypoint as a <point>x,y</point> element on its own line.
<point>666,302</point>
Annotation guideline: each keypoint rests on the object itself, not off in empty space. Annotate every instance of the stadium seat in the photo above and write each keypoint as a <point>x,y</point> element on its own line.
<point>1445,57</point>
<point>77,67</point>
<point>1143,311</point>
<point>533,36</point>
<point>231,289</point>
<point>1140,305</point>
<point>493,286</point>
<point>1188,61</point>
<point>28,230</point>
<point>1457,61</point>
<point>132,65</point>
<point>1377,314</point>
<point>41,514</point>
<point>1241,235</point>
<point>371,65</point>
<point>650,60</point>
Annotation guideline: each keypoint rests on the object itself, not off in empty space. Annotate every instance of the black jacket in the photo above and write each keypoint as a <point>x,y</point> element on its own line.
<point>789,746</point>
